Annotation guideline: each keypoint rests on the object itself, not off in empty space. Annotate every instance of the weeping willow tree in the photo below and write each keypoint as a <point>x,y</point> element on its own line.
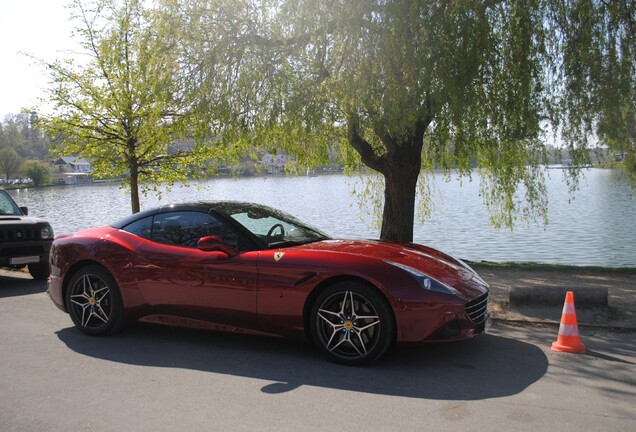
<point>405,87</point>
<point>596,52</point>
<point>120,103</point>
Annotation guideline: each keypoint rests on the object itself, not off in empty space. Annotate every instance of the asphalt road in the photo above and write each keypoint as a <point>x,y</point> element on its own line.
<point>153,378</point>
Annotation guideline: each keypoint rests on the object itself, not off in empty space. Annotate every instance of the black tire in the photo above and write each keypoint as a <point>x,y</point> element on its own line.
<point>93,301</point>
<point>40,271</point>
<point>352,323</point>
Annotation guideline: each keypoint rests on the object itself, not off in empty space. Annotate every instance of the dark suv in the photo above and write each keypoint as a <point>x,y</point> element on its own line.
<point>23,240</point>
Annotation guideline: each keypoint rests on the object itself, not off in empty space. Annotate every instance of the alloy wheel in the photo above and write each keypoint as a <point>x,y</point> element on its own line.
<point>94,302</point>
<point>91,301</point>
<point>348,325</point>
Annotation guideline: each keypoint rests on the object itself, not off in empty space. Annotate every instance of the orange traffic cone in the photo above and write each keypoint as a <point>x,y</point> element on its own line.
<point>568,338</point>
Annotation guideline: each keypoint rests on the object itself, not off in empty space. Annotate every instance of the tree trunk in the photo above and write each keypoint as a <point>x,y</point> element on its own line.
<point>403,163</point>
<point>400,165</point>
<point>400,184</point>
<point>134,190</point>
<point>133,167</point>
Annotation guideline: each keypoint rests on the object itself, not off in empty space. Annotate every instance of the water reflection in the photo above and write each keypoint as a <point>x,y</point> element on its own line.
<point>595,228</point>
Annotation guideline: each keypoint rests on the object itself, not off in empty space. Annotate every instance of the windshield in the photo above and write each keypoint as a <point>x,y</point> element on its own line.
<point>275,228</point>
<point>7,206</point>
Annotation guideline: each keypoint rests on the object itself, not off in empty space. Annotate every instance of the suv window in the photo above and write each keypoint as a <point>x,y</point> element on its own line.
<point>7,206</point>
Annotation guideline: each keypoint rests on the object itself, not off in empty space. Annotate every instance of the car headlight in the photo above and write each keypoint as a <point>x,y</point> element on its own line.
<point>425,280</point>
<point>46,233</point>
<point>472,272</point>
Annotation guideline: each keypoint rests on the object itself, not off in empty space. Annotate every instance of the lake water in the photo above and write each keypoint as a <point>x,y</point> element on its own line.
<point>596,227</point>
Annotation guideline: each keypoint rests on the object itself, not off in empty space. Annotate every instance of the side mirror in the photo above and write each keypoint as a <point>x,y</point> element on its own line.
<point>216,244</point>
<point>25,210</point>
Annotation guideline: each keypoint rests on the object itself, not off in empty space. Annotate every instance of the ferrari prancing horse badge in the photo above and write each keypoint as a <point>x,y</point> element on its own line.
<point>278,255</point>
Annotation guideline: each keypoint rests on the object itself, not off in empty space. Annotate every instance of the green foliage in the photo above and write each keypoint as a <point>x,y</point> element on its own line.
<point>471,87</point>
<point>10,163</point>
<point>39,172</point>
<point>597,49</point>
<point>19,131</point>
<point>123,107</point>
<point>378,75</point>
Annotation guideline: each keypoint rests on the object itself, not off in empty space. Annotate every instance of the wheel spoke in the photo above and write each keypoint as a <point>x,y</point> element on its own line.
<point>368,326</point>
<point>340,342</point>
<point>367,317</point>
<point>363,346</point>
<point>333,336</point>
<point>335,328</point>
<point>348,297</point>
<point>346,339</point>
<point>80,303</point>
<point>87,286</point>
<point>84,294</point>
<point>86,317</point>
<point>101,293</point>
<point>328,312</point>
<point>98,312</point>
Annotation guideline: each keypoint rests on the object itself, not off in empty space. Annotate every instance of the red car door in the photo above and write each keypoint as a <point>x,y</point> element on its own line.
<point>195,283</point>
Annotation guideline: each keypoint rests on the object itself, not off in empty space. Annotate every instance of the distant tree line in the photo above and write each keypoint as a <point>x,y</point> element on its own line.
<point>24,148</point>
<point>19,132</point>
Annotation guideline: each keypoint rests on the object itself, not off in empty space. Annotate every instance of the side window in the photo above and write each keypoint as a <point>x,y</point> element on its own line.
<point>142,227</point>
<point>6,205</point>
<point>186,228</point>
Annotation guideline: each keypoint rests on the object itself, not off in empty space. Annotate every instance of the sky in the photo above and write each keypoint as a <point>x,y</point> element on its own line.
<point>40,28</point>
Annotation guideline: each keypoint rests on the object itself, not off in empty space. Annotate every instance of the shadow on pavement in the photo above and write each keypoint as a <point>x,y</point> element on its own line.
<point>19,286</point>
<point>486,367</point>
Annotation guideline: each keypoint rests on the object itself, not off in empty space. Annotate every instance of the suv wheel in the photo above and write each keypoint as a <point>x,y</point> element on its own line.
<point>40,271</point>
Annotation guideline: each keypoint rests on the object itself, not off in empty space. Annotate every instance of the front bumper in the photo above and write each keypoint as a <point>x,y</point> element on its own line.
<point>427,322</point>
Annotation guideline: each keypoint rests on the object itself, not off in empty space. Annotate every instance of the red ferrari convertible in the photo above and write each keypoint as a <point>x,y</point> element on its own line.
<point>246,267</point>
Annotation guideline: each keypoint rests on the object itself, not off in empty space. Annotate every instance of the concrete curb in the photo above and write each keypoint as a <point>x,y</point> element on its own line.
<point>555,325</point>
<point>550,296</point>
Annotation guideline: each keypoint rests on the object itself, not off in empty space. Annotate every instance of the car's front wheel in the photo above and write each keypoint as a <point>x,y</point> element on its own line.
<point>94,302</point>
<point>352,323</point>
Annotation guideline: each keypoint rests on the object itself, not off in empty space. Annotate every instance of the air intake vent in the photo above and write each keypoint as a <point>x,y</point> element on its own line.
<point>477,310</point>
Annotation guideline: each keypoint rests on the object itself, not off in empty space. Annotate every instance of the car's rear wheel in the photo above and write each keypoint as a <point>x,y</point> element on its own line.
<point>94,302</point>
<point>352,323</point>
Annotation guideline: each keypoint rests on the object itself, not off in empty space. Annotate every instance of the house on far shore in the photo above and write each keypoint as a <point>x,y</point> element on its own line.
<point>71,170</point>
<point>276,163</point>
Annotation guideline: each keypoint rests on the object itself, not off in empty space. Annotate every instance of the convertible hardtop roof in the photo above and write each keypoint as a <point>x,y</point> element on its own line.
<point>225,208</point>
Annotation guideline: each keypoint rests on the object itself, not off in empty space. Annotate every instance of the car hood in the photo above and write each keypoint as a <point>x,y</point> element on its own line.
<point>432,262</point>
<point>12,219</point>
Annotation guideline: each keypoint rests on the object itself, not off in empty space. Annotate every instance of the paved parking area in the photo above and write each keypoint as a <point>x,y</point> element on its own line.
<point>54,378</point>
